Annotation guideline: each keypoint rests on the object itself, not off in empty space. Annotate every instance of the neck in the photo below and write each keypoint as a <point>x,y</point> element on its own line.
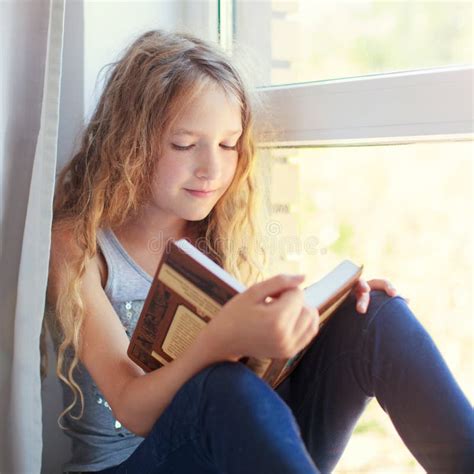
<point>151,230</point>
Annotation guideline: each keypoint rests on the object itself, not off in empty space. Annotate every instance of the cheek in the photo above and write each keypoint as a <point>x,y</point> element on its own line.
<point>231,171</point>
<point>170,174</point>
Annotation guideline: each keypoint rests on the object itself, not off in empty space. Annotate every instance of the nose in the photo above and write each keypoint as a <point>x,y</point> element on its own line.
<point>208,163</point>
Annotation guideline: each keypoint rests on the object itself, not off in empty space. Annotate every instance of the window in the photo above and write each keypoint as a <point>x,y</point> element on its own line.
<point>372,137</point>
<point>405,212</point>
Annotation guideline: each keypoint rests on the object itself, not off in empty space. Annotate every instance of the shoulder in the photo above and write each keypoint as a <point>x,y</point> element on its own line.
<point>108,364</point>
<point>64,250</point>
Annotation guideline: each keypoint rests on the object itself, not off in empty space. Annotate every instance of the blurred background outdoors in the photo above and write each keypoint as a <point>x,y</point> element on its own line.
<point>404,211</point>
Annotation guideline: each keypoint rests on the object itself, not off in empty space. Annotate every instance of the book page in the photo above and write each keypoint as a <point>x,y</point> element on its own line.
<point>183,331</point>
<point>318,293</point>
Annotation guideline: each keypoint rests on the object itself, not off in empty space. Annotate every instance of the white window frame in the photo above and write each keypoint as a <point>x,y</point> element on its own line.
<point>406,107</point>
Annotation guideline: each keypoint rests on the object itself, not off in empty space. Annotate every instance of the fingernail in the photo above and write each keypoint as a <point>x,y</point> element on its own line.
<point>297,276</point>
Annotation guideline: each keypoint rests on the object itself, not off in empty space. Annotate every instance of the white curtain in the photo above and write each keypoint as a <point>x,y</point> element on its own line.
<point>30,72</point>
<point>51,54</point>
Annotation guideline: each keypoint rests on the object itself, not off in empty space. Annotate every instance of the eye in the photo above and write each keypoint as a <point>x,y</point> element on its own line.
<point>184,148</point>
<point>181,148</point>
<point>229,147</point>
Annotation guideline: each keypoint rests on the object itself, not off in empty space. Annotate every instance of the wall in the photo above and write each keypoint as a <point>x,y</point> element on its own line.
<point>95,34</point>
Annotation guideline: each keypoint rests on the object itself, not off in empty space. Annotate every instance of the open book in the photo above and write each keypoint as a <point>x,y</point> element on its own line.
<point>189,289</point>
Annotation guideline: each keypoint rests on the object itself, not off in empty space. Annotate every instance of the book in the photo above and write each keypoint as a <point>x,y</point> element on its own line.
<point>189,289</point>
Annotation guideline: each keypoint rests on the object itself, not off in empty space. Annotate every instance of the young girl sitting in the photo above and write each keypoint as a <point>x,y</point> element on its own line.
<point>169,153</point>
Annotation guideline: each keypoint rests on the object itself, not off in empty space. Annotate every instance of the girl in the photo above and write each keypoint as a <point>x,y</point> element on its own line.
<point>170,153</point>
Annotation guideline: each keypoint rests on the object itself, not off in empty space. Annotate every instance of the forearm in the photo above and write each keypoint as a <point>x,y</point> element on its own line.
<point>145,398</point>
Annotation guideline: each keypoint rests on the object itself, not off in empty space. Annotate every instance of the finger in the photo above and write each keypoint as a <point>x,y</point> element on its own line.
<point>361,293</point>
<point>308,333</point>
<point>289,302</point>
<point>363,302</point>
<point>359,287</point>
<point>389,288</point>
<point>383,284</point>
<point>273,286</point>
<point>362,285</point>
<point>305,322</point>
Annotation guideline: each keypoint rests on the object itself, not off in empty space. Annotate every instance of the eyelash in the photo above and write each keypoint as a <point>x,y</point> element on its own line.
<point>185,148</point>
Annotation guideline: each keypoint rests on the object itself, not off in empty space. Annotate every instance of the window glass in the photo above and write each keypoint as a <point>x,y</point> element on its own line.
<point>309,40</point>
<point>405,212</point>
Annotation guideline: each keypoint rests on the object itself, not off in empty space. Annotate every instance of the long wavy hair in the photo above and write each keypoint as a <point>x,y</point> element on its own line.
<point>109,179</point>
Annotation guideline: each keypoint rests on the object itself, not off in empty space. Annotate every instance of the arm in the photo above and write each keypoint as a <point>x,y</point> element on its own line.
<point>144,398</point>
<point>137,399</point>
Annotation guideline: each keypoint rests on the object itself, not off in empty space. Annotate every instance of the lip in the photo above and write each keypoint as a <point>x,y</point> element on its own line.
<point>198,193</point>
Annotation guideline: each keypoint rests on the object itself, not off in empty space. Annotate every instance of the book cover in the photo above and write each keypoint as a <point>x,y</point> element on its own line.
<point>189,289</point>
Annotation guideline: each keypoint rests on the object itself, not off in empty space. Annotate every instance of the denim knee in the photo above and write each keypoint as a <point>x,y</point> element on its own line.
<point>391,335</point>
<point>390,312</point>
<point>371,339</point>
<point>233,379</point>
<point>378,299</point>
<point>375,312</point>
<point>233,385</point>
<point>388,318</point>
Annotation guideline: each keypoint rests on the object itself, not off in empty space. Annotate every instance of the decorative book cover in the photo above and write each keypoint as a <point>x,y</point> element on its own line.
<point>189,289</point>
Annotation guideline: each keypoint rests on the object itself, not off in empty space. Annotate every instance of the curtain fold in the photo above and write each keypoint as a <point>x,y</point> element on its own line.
<point>31,77</point>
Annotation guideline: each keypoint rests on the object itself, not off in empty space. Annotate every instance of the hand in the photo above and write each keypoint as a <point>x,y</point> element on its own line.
<point>250,325</point>
<point>362,291</point>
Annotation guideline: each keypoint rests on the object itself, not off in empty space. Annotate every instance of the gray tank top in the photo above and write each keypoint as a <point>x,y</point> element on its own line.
<point>99,440</point>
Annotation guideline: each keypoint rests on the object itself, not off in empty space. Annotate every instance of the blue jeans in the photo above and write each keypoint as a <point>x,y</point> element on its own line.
<point>225,419</point>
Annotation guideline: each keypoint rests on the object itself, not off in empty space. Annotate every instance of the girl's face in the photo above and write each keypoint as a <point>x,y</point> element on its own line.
<point>199,154</point>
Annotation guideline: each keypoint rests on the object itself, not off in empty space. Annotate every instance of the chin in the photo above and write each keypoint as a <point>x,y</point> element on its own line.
<point>195,215</point>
